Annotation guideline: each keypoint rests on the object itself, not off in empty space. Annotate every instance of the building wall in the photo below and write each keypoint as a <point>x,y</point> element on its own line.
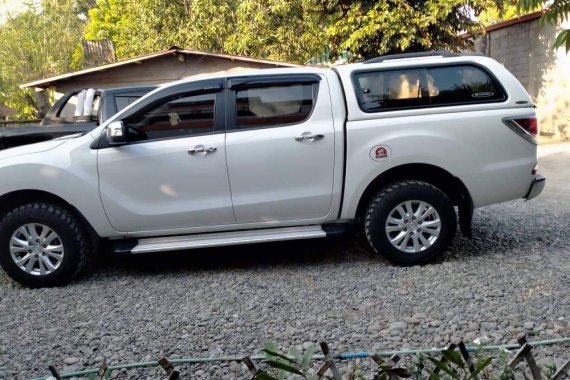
<point>155,71</point>
<point>526,50</point>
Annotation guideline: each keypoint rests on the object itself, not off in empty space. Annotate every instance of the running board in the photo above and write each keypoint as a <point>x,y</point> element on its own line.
<point>219,239</point>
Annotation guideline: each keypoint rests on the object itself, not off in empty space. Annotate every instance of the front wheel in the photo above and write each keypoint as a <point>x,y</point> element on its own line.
<point>410,222</point>
<point>43,244</point>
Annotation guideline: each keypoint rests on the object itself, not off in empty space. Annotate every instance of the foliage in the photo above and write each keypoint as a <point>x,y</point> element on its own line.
<point>272,29</point>
<point>138,27</point>
<point>447,365</point>
<point>493,13</point>
<point>283,366</point>
<point>455,367</point>
<point>287,30</point>
<point>278,29</point>
<point>370,28</point>
<point>556,11</point>
<point>36,43</point>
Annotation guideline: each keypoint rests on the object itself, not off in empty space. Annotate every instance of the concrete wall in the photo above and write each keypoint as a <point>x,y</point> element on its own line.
<point>155,71</point>
<point>526,50</point>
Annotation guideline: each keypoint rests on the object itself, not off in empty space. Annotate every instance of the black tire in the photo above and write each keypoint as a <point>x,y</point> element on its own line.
<point>74,238</point>
<point>387,200</point>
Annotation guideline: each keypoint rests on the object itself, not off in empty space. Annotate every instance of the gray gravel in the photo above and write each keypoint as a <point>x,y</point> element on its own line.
<point>512,278</point>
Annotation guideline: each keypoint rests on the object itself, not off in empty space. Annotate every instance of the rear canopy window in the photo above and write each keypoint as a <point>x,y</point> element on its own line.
<point>423,87</point>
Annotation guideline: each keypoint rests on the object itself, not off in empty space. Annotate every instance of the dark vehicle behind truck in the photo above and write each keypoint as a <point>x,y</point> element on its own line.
<point>78,111</point>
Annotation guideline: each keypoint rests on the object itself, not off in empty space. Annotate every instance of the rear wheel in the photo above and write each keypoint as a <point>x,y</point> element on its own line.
<point>43,244</point>
<point>410,222</point>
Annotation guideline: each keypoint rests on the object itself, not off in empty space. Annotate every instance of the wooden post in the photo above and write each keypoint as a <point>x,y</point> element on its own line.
<point>443,359</point>
<point>394,359</point>
<point>525,354</point>
<point>171,372</point>
<point>54,373</point>
<point>252,368</point>
<point>329,363</point>
<point>102,372</point>
<point>467,359</point>
<point>562,371</point>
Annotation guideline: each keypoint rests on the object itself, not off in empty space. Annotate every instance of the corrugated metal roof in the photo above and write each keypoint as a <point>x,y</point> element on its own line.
<point>47,82</point>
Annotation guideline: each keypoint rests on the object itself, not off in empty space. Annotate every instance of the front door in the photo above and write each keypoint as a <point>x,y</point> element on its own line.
<point>172,174</point>
<point>280,148</point>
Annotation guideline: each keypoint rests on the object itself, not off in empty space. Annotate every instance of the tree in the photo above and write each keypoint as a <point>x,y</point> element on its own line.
<point>556,11</point>
<point>494,14</point>
<point>36,43</point>
<point>273,29</point>
<point>138,27</point>
<point>279,29</point>
<point>370,28</point>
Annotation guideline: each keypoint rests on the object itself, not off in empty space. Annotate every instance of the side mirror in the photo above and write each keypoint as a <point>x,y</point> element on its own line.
<point>116,133</point>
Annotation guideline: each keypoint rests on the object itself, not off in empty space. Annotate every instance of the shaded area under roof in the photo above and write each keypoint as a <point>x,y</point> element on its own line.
<point>6,111</point>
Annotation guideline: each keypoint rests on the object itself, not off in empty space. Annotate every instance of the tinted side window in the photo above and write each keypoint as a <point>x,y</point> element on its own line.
<point>122,101</point>
<point>176,116</point>
<point>378,91</point>
<point>461,84</point>
<point>423,87</point>
<point>274,106</point>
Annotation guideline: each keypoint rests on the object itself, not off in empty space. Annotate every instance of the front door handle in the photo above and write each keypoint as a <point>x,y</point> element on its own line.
<point>201,150</point>
<point>309,137</point>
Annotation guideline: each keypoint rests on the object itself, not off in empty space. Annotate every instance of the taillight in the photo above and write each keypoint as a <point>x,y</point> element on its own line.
<point>525,126</point>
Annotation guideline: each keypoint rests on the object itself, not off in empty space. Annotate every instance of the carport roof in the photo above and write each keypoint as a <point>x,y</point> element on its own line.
<point>47,82</point>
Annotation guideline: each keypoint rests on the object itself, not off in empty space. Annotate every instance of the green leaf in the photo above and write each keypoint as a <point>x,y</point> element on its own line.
<point>264,376</point>
<point>433,376</point>
<point>480,367</point>
<point>563,39</point>
<point>279,355</point>
<point>307,357</point>
<point>269,346</point>
<point>445,368</point>
<point>454,357</point>
<point>283,366</point>
<point>296,354</point>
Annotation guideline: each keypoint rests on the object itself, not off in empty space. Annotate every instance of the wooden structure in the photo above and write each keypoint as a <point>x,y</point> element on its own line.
<point>152,69</point>
<point>6,111</point>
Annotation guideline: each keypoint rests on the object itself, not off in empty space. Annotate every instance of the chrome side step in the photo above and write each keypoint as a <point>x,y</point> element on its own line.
<point>218,239</point>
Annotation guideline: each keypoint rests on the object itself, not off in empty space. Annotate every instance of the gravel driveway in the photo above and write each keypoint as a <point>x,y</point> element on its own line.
<point>514,276</point>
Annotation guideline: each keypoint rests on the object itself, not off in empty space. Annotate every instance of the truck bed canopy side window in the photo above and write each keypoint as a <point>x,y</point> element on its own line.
<point>386,90</point>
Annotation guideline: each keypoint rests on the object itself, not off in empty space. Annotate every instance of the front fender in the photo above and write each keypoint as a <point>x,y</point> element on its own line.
<point>68,171</point>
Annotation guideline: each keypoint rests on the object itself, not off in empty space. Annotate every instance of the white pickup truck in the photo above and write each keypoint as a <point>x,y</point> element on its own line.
<point>394,144</point>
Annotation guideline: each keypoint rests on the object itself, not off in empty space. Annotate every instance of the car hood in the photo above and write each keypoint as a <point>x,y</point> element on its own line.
<point>31,148</point>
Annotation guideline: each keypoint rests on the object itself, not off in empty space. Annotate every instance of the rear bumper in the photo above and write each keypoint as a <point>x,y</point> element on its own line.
<point>536,187</point>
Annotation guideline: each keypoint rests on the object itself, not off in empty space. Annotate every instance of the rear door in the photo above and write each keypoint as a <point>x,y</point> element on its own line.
<point>280,148</point>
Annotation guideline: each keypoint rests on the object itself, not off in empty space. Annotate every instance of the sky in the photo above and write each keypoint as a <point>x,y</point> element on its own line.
<point>10,7</point>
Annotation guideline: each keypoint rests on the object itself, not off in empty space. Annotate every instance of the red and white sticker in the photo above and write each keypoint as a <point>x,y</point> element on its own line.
<point>380,152</point>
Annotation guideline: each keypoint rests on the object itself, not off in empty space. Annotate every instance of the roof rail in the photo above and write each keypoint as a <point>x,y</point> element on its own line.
<point>440,53</point>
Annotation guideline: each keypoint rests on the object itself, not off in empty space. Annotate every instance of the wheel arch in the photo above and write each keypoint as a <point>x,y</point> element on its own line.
<point>14,199</point>
<point>452,186</point>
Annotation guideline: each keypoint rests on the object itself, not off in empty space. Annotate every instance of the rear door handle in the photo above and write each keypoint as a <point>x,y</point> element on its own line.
<point>308,136</point>
<point>201,150</point>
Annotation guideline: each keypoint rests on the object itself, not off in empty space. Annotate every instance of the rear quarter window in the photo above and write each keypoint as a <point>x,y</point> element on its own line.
<point>408,88</point>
